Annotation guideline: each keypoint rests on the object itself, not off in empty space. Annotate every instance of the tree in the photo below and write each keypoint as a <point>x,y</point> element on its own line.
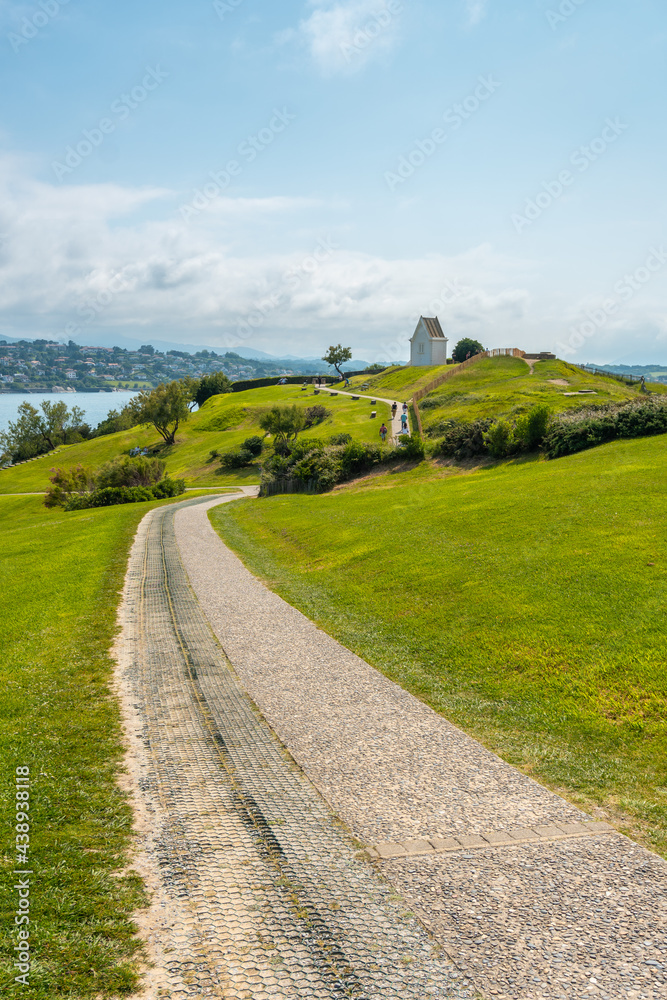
<point>466,348</point>
<point>211,385</point>
<point>35,433</point>
<point>146,349</point>
<point>165,407</point>
<point>284,423</point>
<point>337,356</point>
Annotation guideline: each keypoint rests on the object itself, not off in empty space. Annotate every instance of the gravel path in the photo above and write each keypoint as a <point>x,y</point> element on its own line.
<point>394,423</point>
<point>531,899</point>
<point>258,891</point>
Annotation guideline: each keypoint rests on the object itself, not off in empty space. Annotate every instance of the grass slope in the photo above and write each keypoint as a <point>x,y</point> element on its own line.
<point>222,424</point>
<point>60,577</point>
<point>400,382</point>
<point>505,386</point>
<point>526,602</point>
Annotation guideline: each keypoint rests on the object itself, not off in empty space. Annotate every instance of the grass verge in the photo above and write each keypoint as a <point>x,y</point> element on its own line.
<point>526,602</point>
<point>60,581</point>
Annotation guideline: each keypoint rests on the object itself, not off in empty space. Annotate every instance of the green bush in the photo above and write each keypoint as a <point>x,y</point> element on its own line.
<point>168,488</point>
<point>499,439</point>
<point>340,438</point>
<point>531,428</point>
<point>130,470</point>
<point>411,447</point>
<point>462,441</point>
<point>238,459</point>
<point>577,431</point>
<point>254,445</point>
<point>316,414</point>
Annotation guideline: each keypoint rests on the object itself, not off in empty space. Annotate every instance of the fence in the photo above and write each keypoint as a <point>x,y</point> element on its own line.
<point>513,352</point>
<point>620,376</point>
<point>275,487</point>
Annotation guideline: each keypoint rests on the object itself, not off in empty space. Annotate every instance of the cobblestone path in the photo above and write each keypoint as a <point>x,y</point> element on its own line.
<point>530,897</point>
<point>259,891</point>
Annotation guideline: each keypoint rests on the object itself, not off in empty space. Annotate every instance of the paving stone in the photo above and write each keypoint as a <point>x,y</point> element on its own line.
<point>259,891</point>
<point>432,781</point>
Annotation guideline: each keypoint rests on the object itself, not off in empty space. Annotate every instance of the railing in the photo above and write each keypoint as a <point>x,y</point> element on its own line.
<point>620,376</point>
<point>514,352</point>
<point>279,486</point>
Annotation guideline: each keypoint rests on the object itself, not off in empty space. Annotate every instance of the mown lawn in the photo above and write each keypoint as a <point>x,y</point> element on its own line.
<point>400,382</point>
<point>504,386</point>
<point>60,578</point>
<point>222,424</point>
<point>526,602</point>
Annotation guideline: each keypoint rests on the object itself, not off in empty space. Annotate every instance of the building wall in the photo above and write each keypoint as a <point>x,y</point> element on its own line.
<point>420,352</point>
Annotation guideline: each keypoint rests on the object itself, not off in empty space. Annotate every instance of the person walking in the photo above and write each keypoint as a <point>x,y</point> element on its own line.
<point>405,407</point>
<point>404,423</point>
<point>383,432</point>
<point>394,408</point>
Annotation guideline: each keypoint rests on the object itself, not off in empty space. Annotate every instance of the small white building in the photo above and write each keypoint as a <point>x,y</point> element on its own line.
<point>428,344</point>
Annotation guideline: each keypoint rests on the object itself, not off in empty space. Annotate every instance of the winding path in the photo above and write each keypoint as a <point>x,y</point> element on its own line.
<point>244,763</point>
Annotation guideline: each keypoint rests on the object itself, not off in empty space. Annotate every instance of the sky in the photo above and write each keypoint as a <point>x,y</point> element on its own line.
<point>283,176</point>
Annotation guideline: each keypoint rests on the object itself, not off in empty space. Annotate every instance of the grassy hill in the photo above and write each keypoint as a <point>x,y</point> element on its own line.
<point>221,424</point>
<point>505,386</point>
<point>526,602</point>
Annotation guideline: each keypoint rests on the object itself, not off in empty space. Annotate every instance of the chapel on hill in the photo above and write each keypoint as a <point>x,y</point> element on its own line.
<point>428,344</point>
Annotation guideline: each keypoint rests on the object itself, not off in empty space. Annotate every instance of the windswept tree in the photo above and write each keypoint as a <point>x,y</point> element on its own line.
<point>165,407</point>
<point>284,424</point>
<point>337,355</point>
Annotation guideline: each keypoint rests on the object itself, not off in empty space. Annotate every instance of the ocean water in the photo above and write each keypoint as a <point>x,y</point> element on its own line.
<point>95,405</point>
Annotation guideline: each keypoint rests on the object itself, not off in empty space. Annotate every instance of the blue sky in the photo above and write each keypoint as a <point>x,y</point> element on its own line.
<point>282,176</point>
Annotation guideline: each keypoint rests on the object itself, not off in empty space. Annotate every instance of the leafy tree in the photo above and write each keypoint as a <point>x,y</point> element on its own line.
<point>165,407</point>
<point>146,349</point>
<point>34,433</point>
<point>337,356</point>
<point>466,348</point>
<point>316,414</point>
<point>211,385</point>
<point>284,423</point>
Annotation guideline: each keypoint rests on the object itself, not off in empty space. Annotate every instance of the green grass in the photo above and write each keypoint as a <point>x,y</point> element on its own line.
<point>400,382</point>
<point>504,386</point>
<point>60,578</point>
<point>221,424</point>
<point>525,601</point>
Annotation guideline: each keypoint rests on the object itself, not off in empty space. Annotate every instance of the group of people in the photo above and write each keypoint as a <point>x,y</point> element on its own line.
<point>404,421</point>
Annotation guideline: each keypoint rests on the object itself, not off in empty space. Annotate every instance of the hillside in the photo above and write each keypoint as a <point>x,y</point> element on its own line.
<point>222,424</point>
<point>505,386</point>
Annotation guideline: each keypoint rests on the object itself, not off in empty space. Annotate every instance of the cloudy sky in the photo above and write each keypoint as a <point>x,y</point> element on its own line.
<point>286,175</point>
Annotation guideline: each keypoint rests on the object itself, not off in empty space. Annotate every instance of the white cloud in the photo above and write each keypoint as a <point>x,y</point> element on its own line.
<point>88,256</point>
<point>344,37</point>
<point>476,11</point>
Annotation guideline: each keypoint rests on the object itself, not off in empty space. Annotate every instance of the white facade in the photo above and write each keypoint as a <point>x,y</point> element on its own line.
<point>428,344</point>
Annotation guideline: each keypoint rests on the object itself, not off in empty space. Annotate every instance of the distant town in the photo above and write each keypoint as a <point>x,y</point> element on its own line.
<point>44,366</point>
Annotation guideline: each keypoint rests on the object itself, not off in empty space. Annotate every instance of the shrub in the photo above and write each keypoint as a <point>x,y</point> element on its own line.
<point>316,415</point>
<point>130,470</point>
<point>168,488</point>
<point>531,428</point>
<point>499,439</point>
<point>254,445</point>
<point>462,441</point>
<point>576,431</point>
<point>412,447</point>
<point>67,483</point>
<point>340,439</point>
<point>238,459</point>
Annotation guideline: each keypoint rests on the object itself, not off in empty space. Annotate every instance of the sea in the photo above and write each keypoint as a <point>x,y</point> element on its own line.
<point>95,405</point>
